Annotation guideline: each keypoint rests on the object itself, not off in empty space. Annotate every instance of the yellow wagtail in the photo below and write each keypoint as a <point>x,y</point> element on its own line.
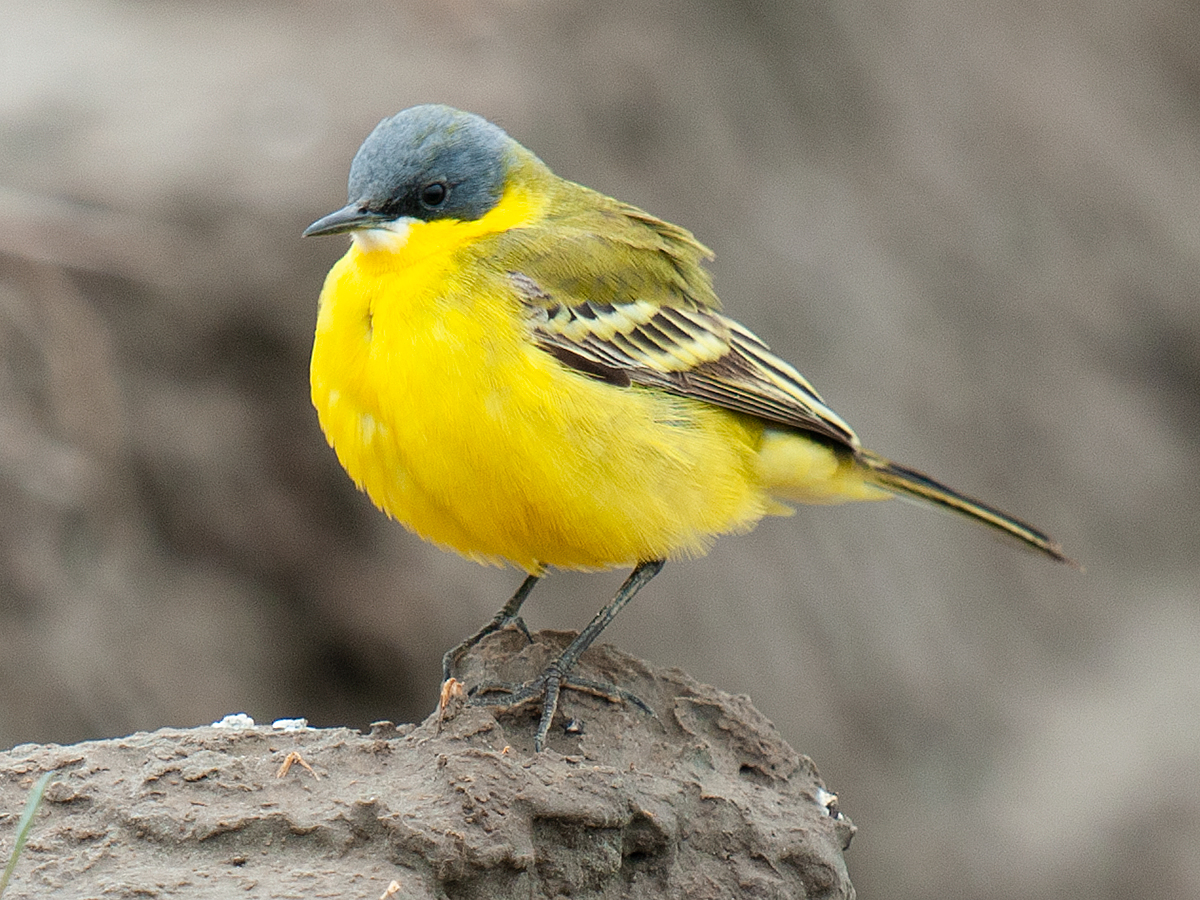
<point>529,372</point>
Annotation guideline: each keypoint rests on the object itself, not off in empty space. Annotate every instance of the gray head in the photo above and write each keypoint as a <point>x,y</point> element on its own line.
<point>428,162</point>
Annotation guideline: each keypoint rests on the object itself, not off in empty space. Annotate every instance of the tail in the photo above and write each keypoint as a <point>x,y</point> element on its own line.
<point>911,483</point>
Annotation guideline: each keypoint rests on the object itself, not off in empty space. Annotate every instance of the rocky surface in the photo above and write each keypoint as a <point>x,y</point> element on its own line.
<point>701,800</point>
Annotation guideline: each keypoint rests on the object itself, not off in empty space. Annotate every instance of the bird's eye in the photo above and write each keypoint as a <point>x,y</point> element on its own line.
<point>434,194</point>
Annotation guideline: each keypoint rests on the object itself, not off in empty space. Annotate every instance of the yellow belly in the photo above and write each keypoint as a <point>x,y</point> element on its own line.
<point>454,424</point>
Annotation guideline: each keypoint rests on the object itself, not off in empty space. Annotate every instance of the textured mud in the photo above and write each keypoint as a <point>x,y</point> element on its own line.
<point>701,800</point>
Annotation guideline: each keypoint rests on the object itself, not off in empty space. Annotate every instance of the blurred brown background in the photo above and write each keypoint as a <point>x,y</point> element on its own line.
<point>975,227</point>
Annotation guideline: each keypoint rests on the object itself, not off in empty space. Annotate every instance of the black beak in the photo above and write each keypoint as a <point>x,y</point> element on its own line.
<point>351,217</point>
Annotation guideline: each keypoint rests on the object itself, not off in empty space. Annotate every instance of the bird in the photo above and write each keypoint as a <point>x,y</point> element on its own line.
<point>534,374</point>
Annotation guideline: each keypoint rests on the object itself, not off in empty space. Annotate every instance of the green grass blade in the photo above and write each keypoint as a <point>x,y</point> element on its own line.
<point>24,827</point>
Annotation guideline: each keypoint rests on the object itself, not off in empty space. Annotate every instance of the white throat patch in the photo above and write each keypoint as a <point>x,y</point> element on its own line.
<point>391,235</point>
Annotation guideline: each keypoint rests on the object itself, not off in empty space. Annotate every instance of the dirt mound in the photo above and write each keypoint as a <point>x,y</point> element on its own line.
<point>701,800</point>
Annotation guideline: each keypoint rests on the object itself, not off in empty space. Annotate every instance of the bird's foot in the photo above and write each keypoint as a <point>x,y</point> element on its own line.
<point>547,687</point>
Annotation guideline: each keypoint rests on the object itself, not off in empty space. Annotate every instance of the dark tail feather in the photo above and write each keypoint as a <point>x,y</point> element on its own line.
<point>911,483</point>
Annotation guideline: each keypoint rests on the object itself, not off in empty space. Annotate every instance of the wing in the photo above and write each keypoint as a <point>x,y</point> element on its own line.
<point>694,353</point>
<point>622,296</point>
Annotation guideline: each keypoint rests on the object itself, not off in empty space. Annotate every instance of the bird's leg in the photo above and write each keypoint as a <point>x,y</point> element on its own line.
<point>508,616</point>
<point>557,675</point>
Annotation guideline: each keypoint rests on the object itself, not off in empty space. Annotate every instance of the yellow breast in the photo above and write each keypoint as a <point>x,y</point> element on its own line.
<point>442,409</point>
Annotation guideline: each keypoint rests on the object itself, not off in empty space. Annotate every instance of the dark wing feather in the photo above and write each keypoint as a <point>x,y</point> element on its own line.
<point>692,353</point>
